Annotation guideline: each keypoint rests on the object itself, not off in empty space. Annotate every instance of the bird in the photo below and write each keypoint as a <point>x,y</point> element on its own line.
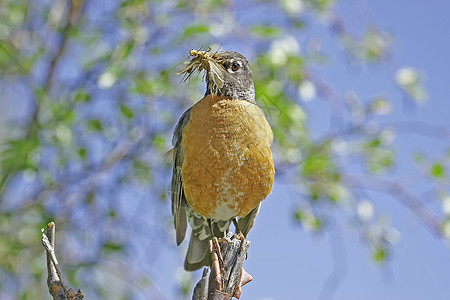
<point>222,161</point>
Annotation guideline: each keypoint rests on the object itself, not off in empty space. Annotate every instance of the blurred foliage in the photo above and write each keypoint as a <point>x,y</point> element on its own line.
<point>90,99</point>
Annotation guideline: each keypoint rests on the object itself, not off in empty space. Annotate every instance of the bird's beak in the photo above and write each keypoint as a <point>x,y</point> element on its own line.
<point>211,62</point>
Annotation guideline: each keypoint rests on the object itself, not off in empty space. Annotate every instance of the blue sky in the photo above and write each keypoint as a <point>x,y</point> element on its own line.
<point>298,264</point>
<point>420,266</point>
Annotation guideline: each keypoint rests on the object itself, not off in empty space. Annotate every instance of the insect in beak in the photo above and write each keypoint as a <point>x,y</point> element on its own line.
<point>204,60</point>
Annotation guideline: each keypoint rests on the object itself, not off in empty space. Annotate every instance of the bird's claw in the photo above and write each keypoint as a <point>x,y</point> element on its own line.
<point>219,269</point>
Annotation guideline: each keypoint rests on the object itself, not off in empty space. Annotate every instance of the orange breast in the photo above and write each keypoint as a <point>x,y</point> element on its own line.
<point>228,167</point>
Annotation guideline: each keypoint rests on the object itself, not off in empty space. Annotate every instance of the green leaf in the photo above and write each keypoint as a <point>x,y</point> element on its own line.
<point>16,155</point>
<point>82,96</point>
<point>82,153</point>
<point>126,111</point>
<point>142,85</point>
<point>320,5</point>
<point>298,215</point>
<point>316,224</point>
<point>265,31</point>
<point>437,170</point>
<point>374,143</point>
<point>195,29</point>
<point>317,164</point>
<point>110,247</point>
<point>379,255</point>
<point>386,160</point>
<point>132,3</point>
<point>160,142</point>
<point>124,50</point>
<point>94,125</point>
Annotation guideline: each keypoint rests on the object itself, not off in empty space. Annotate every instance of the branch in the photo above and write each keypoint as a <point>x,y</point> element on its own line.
<point>56,283</point>
<point>412,202</point>
<point>418,127</point>
<point>72,16</point>
<point>340,265</point>
<point>233,275</point>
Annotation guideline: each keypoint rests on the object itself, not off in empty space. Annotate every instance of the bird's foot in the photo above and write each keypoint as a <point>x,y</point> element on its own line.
<point>238,234</point>
<point>223,240</point>
<point>219,269</point>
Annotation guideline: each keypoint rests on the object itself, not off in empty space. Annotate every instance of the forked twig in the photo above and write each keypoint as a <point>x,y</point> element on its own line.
<point>56,283</point>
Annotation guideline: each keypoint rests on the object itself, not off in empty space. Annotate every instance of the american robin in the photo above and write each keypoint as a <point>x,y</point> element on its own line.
<point>223,166</point>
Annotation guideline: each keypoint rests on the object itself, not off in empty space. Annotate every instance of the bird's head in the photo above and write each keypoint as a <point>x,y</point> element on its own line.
<point>228,73</point>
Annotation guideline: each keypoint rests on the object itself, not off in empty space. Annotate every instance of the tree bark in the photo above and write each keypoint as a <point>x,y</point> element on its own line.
<point>232,277</point>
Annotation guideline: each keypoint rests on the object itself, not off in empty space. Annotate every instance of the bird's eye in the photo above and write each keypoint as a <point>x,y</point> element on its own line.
<point>235,66</point>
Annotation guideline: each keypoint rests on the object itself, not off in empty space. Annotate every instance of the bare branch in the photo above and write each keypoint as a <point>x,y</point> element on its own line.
<point>418,127</point>
<point>74,11</point>
<point>339,255</point>
<point>395,189</point>
<point>234,251</point>
<point>57,285</point>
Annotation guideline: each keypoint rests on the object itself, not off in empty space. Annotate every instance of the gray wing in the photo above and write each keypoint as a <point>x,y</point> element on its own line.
<point>178,198</point>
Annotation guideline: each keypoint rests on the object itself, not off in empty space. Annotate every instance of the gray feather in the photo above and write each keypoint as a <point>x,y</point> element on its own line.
<point>198,254</point>
<point>246,223</point>
<point>178,198</point>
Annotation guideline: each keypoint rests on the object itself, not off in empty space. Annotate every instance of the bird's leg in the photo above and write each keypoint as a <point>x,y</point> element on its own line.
<point>238,234</point>
<point>245,277</point>
<point>224,239</point>
<point>216,263</point>
<point>215,242</point>
<point>214,248</point>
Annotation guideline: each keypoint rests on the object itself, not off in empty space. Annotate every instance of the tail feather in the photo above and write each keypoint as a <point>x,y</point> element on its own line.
<point>246,223</point>
<point>198,254</point>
